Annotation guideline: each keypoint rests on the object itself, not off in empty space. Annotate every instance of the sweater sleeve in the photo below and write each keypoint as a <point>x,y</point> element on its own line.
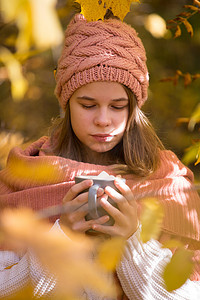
<point>140,273</point>
<point>18,272</point>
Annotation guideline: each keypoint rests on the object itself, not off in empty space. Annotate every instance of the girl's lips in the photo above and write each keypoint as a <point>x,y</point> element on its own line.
<point>103,137</point>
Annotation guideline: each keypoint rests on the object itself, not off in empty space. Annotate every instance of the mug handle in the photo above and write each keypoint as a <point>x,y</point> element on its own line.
<point>92,201</point>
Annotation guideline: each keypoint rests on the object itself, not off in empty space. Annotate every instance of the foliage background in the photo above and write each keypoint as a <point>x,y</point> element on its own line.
<point>31,117</point>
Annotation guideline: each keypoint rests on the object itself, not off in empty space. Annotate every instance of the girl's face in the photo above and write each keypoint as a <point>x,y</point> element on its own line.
<point>99,114</point>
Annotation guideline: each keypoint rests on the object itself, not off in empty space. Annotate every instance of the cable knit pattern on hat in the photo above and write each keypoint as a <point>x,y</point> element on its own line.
<point>108,50</point>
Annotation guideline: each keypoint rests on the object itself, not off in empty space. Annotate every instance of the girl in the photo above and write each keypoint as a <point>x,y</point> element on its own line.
<point>102,82</point>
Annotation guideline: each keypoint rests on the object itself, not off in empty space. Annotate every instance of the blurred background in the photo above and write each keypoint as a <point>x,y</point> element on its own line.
<point>169,107</point>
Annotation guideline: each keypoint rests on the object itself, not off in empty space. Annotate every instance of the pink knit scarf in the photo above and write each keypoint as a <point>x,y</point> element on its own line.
<point>171,184</point>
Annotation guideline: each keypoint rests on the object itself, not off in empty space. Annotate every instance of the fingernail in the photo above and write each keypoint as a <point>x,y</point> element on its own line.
<point>117,180</point>
<point>108,188</point>
<point>103,200</point>
<point>89,182</point>
<point>106,218</point>
<point>100,191</point>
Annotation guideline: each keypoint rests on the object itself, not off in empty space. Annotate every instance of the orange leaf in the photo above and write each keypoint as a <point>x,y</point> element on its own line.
<point>188,27</point>
<point>171,21</point>
<point>196,76</point>
<point>187,79</point>
<point>167,79</point>
<point>184,14</point>
<point>180,121</point>
<point>197,2</point>
<point>177,32</point>
<point>179,73</point>
<point>176,78</point>
<point>192,7</point>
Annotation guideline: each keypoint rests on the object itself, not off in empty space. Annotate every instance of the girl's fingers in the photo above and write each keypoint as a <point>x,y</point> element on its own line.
<point>75,204</point>
<point>80,200</point>
<point>118,198</point>
<point>84,226</point>
<point>124,189</point>
<point>110,209</point>
<point>110,230</point>
<point>79,214</point>
<point>77,189</point>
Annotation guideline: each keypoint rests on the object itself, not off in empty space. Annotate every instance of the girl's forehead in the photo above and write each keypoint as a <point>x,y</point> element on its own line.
<point>109,90</point>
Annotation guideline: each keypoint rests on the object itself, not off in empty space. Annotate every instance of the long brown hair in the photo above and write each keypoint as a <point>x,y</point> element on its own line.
<point>137,153</point>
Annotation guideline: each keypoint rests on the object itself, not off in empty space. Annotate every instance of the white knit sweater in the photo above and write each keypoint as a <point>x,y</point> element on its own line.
<point>139,271</point>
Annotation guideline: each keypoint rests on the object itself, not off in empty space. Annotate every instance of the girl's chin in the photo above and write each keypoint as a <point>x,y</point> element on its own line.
<point>101,149</point>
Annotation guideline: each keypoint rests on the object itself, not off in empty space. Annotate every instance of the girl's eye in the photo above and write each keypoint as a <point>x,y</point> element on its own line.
<point>119,107</point>
<point>87,106</point>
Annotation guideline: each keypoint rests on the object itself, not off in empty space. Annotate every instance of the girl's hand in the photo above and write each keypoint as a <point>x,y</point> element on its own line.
<point>76,204</point>
<point>125,217</point>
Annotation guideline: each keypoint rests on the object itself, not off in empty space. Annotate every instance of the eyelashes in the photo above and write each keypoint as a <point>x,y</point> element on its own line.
<point>114,107</point>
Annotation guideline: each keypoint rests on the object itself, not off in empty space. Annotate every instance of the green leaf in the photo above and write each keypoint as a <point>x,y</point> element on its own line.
<point>191,154</point>
<point>195,118</point>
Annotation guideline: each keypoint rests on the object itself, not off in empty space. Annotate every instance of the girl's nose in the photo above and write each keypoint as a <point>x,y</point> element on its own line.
<point>102,118</point>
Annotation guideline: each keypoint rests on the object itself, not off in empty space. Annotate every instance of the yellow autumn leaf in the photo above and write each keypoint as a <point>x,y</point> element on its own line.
<point>120,8</point>
<point>24,293</point>
<point>47,31</point>
<point>19,84</point>
<point>172,244</point>
<point>24,22</point>
<point>37,21</point>
<point>10,9</point>
<point>151,219</point>
<point>110,252</point>
<point>94,10</point>
<point>178,269</point>
<point>7,142</point>
<point>69,258</point>
<point>35,172</point>
<point>18,11</point>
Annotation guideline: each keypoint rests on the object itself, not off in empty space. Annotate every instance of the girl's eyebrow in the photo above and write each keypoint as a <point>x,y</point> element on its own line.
<point>93,99</point>
<point>86,98</point>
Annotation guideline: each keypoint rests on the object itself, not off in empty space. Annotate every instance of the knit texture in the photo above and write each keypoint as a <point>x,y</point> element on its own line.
<point>139,271</point>
<point>108,50</point>
<point>171,184</point>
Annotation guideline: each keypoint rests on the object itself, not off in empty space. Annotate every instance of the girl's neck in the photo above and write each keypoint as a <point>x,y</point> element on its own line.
<point>103,158</point>
<point>97,158</point>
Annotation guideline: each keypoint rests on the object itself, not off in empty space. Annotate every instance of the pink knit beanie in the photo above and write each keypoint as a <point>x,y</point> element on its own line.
<point>108,50</point>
